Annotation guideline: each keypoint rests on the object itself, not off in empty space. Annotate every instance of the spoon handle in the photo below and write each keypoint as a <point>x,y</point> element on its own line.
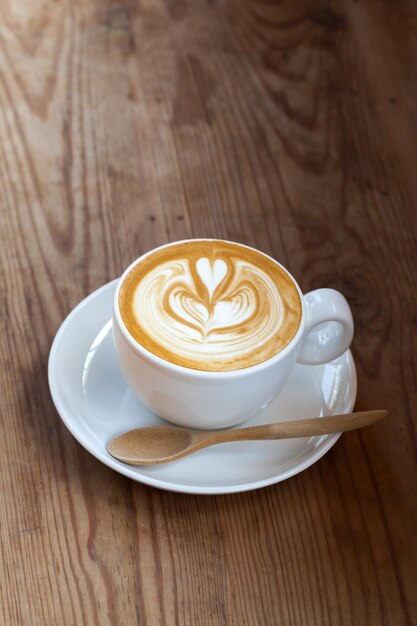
<point>302,428</point>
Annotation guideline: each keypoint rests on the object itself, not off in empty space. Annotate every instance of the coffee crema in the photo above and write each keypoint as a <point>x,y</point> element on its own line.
<point>210,305</point>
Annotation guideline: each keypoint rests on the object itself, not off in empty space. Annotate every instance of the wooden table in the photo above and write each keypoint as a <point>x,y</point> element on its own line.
<point>290,126</point>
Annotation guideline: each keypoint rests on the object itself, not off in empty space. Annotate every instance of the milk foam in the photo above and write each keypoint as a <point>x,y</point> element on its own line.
<point>212,312</point>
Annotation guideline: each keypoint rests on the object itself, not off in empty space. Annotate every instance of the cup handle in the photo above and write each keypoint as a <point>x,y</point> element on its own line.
<point>329,327</point>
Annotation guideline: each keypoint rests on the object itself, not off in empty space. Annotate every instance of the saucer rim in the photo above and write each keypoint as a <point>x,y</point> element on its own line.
<point>125,469</point>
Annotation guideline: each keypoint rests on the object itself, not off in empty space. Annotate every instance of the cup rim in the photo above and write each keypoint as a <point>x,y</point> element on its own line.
<point>195,373</point>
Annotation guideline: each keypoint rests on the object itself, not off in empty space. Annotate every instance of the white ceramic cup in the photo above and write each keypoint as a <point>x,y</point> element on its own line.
<point>199,399</point>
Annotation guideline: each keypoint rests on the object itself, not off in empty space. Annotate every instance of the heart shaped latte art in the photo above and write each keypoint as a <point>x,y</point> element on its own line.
<point>207,308</point>
<point>212,311</point>
<point>211,274</point>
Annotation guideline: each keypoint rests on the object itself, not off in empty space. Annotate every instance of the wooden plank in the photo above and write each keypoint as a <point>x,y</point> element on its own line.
<point>287,126</point>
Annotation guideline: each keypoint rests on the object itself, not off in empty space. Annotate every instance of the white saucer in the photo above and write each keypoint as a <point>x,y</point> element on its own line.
<point>96,404</point>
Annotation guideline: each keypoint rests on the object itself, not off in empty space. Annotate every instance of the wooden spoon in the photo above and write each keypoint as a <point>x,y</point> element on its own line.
<point>159,444</point>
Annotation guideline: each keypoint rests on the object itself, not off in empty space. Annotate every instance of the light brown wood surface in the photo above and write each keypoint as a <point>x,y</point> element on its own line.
<point>289,126</point>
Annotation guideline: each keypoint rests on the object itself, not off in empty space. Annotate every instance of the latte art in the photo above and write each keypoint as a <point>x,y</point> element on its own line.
<point>212,308</point>
<point>210,305</point>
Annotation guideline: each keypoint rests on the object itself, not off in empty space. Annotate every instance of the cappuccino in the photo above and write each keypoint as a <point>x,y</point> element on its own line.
<point>210,305</point>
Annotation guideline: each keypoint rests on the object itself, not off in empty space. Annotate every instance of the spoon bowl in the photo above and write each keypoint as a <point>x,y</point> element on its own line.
<point>160,444</point>
<point>151,443</point>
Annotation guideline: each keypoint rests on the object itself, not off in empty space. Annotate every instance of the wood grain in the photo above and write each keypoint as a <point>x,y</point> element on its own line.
<point>289,126</point>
